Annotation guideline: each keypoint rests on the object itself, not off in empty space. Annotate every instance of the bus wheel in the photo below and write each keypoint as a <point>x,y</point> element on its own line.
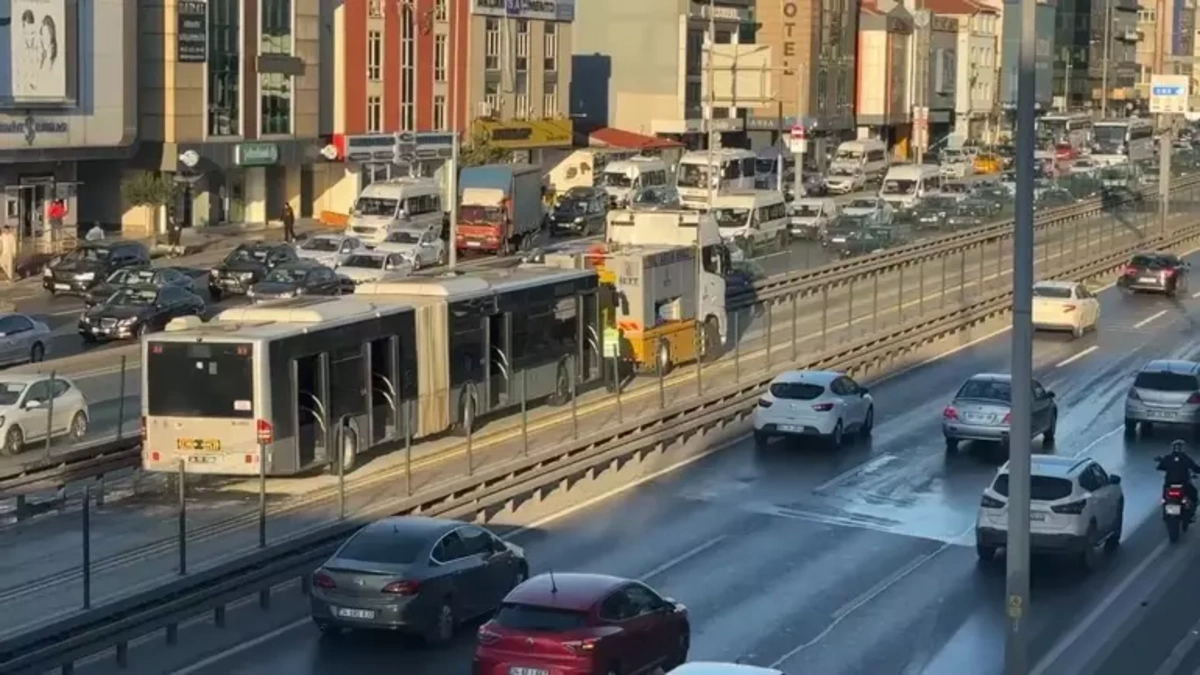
<point>710,345</point>
<point>662,358</point>
<point>562,385</point>
<point>349,448</point>
<point>467,410</point>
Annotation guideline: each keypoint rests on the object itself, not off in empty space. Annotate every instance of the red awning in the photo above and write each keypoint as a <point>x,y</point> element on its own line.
<point>618,138</point>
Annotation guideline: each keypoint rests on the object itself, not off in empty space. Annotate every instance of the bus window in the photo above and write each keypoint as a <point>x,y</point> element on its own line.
<point>207,379</point>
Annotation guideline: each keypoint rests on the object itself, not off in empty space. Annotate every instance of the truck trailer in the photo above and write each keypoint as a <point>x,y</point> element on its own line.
<point>500,208</point>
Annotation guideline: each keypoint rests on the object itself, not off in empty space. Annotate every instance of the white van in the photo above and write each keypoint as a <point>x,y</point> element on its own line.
<point>396,203</point>
<point>907,184</point>
<point>623,177</point>
<point>869,154</point>
<point>755,219</point>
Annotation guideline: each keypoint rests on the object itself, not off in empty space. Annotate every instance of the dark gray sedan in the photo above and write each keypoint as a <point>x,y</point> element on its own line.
<point>418,575</point>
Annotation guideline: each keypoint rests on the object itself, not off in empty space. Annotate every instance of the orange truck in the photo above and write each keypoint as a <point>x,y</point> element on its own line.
<point>500,208</point>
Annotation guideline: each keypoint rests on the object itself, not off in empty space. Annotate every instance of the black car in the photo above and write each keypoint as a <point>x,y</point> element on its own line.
<point>866,240</point>
<point>90,263</point>
<point>931,213</point>
<point>138,276</point>
<point>247,265</point>
<point>290,280</point>
<point>1160,272</point>
<point>581,210</point>
<point>135,310</point>
<point>842,227</point>
<point>971,213</point>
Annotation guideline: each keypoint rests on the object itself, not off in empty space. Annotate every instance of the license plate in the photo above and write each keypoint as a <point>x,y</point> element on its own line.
<point>202,459</point>
<point>62,287</point>
<point>1160,415</point>
<point>206,444</point>
<point>1037,517</point>
<point>791,428</point>
<point>1148,280</point>
<point>977,417</point>
<point>1174,509</point>
<point>347,613</point>
<point>522,670</point>
<point>473,244</point>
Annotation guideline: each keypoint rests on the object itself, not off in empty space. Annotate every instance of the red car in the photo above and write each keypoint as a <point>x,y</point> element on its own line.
<point>583,624</point>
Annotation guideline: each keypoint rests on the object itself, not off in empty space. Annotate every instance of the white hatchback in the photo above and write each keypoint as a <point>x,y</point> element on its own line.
<point>813,403</point>
<point>1075,508</point>
<point>33,404</point>
<point>1065,305</point>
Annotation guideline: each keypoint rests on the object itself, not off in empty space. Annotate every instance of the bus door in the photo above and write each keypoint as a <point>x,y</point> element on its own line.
<point>310,396</point>
<point>498,380</point>
<point>590,333</point>
<point>383,366</point>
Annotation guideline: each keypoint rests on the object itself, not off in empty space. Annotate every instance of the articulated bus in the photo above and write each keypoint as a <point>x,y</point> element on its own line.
<point>321,380</point>
<point>1074,129</point>
<point>1123,140</point>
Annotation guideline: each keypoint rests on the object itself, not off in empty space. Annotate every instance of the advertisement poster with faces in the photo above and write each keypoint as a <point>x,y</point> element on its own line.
<point>38,50</point>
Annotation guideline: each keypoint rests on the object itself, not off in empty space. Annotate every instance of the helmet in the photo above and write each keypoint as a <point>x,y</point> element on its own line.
<point>1177,445</point>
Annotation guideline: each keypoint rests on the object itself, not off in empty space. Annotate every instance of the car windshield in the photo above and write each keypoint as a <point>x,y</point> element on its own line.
<point>731,217</point>
<point>571,206</point>
<point>796,391</point>
<point>133,297</point>
<point>369,262</point>
<point>392,546</point>
<point>403,237</point>
<point>992,390</point>
<point>321,244</point>
<point>1042,488</point>
<point>850,222</point>
<point>806,210</point>
<point>862,204</point>
<point>617,180</point>
<point>1058,292</point>
<point>129,276</point>
<point>247,254</point>
<point>1161,381</point>
<point>539,619</point>
<point>953,156</point>
<point>842,171</point>
<point>286,275</point>
<point>10,392</point>
<point>899,187</point>
<point>956,188</point>
<point>86,254</point>
<point>375,206</point>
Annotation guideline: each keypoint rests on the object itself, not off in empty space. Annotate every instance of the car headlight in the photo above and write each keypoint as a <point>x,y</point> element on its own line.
<point>245,276</point>
<point>85,276</point>
<point>47,272</point>
<point>214,272</point>
<point>127,322</point>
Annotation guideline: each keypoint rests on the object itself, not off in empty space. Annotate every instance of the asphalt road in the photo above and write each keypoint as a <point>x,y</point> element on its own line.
<point>816,562</point>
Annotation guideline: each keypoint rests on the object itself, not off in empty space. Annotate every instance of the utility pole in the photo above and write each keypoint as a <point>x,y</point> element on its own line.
<point>1016,653</point>
<point>452,167</point>
<point>1108,19</point>
<point>710,170</point>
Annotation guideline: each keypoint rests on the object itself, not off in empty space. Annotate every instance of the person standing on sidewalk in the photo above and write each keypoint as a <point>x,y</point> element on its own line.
<point>8,253</point>
<point>289,223</point>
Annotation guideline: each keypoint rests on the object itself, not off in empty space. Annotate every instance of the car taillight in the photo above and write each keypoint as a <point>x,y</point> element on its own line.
<point>1074,508</point>
<point>1170,272</point>
<point>950,413</point>
<point>764,403</point>
<point>322,580</point>
<point>581,647</point>
<point>991,503</point>
<point>1175,493</point>
<point>1133,394</point>
<point>402,588</point>
<point>1008,418</point>
<point>1131,271</point>
<point>823,407</point>
<point>1194,398</point>
<point>487,637</point>
<point>1067,309</point>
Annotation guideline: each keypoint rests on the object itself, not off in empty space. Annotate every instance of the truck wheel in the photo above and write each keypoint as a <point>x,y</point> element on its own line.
<point>662,358</point>
<point>710,345</point>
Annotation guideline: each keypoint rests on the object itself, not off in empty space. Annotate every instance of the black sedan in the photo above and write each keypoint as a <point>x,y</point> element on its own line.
<point>972,213</point>
<point>294,279</point>
<point>414,574</point>
<point>138,276</point>
<point>133,311</point>
<point>247,265</point>
<point>90,263</point>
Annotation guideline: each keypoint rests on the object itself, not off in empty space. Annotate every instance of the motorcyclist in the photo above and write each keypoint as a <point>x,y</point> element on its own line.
<point>1177,468</point>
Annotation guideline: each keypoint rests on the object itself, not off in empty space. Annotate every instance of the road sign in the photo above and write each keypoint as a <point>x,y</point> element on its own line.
<point>1170,94</point>
<point>410,146</point>
<point>799,132</point>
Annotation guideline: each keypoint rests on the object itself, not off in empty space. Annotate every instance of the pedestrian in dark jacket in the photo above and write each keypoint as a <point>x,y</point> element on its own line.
<point>289,223</point>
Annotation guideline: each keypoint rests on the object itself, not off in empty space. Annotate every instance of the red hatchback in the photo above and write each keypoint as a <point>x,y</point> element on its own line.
<point>583,624</point>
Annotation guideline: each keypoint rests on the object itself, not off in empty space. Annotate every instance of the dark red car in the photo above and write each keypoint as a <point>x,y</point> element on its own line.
<point>583,624</point>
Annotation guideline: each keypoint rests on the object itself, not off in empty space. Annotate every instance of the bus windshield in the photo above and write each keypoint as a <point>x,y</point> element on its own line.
<point>1109,139</point>
<point>692,175</point>
<point>205,379</point>
<point>1051,131</point>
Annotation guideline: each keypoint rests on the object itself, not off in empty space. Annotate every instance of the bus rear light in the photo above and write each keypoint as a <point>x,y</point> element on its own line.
<point>155,456</point>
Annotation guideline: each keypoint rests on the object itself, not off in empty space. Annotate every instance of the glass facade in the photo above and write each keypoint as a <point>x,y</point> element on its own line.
<point>224,61</point>
<point>275,89</point>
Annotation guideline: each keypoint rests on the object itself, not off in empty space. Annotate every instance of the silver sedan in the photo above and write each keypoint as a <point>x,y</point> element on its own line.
<point>22,339</point>
<point>981,411</point>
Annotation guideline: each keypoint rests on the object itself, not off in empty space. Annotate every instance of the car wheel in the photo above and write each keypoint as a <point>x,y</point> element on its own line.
<point>868,424</point>
<point>441,630</point>
<point>987,554</point>
<point>835,437</point>
<point>1048,434</point>
<point>14,441</point>
<point>1077,331</point>
<point>760,440</point>
<point>1114,538</point>
<point>467,408</point>
<point>37,352</point>
<point>79,426</point>
<point>1087,557</point>
<point>951,445</point>
<point>1130,429</point>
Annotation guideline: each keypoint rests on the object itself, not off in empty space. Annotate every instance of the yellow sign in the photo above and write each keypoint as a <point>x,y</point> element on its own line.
<point>527,134</point>
<point>202,444</point>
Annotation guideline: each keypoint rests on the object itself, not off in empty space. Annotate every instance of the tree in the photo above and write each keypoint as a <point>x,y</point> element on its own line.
<point>481,151</point>
<point>153,191</point>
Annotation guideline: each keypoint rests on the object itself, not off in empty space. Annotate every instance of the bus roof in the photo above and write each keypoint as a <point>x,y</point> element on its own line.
<point>747,198</point>
<point>719,155</point>
<point>1127,121</point>
<point>278,319</point>
<point>423,290</point>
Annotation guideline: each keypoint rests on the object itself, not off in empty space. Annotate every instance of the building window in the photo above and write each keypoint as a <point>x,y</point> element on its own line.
<point>439,113</point>
<point>550,100</point>
<point>521,87</point>
<point>408,56</point>
<point>522,63</point>
<point>375,9</point>
<point>374,56</point>
<point>440,57</point>
<point>275,89</point>
<point>550,48</point>
<point>224,74</point>
<point>374,114</point>
<point>440,10</point>
<point>491,97</point>
<point>491,44</point>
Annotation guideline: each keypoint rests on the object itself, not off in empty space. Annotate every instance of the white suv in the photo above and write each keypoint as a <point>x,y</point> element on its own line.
<point>814,403</point>
<point>1075,507</point>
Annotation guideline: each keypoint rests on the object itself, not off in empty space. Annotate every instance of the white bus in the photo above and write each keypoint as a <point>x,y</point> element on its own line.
<point>1123,140</point>
<point>321,380</point>
<point>1074,129</point>
<point>736,172</point>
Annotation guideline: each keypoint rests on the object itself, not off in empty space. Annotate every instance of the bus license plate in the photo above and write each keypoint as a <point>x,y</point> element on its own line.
<point>521,670</point>
<point>202,459</point>
<point>205,444</point>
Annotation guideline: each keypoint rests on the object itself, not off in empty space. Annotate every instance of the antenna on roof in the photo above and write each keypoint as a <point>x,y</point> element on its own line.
<point>553,584</point>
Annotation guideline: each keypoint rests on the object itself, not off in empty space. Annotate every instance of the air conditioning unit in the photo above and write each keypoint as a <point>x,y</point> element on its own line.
<point>486,109</point>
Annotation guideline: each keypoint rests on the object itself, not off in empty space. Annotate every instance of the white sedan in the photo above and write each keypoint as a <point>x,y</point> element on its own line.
<point>878,209</point>
<point>1064,305</point>
<point>33,404</point>
<point>329,249</point>
<point>419,246</point>
<point>366,266</point>
<point>813,403</point>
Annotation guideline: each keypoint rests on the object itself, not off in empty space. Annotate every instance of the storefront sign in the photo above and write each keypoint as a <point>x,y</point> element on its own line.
<point>191,28</point>
<point>791,12</point>
<point>31,128</point>
<point>256,154</point>
<point>526,134</point>
<point>542,10</point>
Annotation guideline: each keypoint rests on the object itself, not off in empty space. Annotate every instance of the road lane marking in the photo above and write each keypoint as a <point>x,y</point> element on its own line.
<point>866,467</point>
<point>244,646</point>
<point>1103,437</point>
<point>1072,359</point>
<point>1196,294</point>
<point>1180,652</point>
<point>1083,626</point>
<point>1157,315</point>
<point>683,557</point>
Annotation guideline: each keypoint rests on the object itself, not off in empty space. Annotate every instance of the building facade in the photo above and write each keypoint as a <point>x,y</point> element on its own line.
<point>884,33</point>
<point>1179,26</point>
<point>1044,64</point>
<point>977,66</point>
<point>68,112</point>
<point>1095,43</point>
<point>230,104</point>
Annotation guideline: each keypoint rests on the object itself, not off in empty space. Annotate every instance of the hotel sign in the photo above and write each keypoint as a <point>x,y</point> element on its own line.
<point>540,10</point>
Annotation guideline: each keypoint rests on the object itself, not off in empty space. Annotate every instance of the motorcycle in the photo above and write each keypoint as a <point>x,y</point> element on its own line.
<point>1177,511</point>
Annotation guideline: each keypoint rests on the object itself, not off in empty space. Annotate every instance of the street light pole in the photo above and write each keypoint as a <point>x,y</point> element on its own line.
<point>1017,582</point>
<point>710,98</point>
<point>1108,17</point>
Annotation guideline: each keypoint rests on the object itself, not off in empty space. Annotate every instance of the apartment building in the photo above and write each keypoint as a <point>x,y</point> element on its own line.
<point>1096,48</point>
<point>974,70</point>
<point>884,74</point>
<point>229,100</point>
<point>1179,29</point>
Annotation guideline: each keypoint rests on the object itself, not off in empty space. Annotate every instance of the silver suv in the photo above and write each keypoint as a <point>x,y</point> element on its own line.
<point>1165,391</point>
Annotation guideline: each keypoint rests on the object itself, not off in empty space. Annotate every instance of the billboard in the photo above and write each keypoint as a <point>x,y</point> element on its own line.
<point>39,51</point>
<point>541,10</point>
